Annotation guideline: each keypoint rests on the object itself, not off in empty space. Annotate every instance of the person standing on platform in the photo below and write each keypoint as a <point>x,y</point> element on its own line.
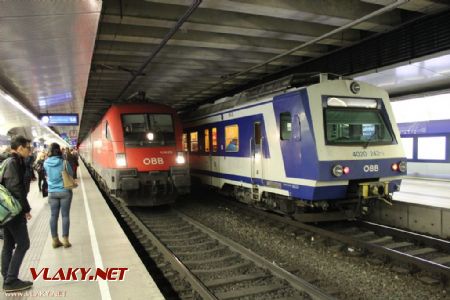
<point>15,232</point>
<point>29,174</point>
<point>39,167</point>
<point>72,159</point>
<point>59,198</point>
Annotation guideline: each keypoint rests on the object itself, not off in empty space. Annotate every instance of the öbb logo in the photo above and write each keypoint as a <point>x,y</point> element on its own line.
<point>153,161</point>
<point>370,168</point>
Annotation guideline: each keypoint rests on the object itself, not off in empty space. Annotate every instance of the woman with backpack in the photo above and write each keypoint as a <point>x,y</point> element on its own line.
<point>59,198</point>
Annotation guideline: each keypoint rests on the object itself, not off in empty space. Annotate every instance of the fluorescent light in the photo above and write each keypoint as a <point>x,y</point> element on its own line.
<point>23,109</point>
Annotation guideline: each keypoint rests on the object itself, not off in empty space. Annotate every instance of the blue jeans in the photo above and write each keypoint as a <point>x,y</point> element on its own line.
<point>60,201</point>
<point>15,235</point>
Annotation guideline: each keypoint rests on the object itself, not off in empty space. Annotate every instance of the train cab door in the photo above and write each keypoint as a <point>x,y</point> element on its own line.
<point>107,146</point>
<point>208,158</point>
<point>214,159</point>
<point>256,154</point>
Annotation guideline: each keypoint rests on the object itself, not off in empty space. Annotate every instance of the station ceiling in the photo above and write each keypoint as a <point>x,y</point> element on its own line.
<point>183,52</point>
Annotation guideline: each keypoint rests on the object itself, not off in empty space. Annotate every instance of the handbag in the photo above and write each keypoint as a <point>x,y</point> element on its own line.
<point>68,181</point>
<point>44,189</point>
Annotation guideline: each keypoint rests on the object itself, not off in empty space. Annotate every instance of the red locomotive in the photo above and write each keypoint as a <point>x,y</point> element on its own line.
<point>136,154</point>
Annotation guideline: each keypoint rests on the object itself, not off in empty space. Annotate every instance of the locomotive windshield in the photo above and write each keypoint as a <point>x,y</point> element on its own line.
<point>148,130</point>
<point>357,124</point>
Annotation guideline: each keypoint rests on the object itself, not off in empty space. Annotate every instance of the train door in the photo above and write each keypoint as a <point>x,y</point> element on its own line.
<point>256,154</point>
<point>214,159</point>
<point>206,165</point>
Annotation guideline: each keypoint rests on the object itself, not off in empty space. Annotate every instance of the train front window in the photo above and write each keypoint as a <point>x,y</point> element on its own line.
<point>356,126</point>
<point>148,130</point>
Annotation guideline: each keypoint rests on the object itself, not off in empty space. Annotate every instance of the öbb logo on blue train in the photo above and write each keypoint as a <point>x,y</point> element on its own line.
<point>370,168</point>
<point>153,161</point>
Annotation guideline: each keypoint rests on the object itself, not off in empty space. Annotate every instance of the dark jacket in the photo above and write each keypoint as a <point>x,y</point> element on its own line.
<point>28,162</point>
<point>13,180</point>
<point>72,159</point>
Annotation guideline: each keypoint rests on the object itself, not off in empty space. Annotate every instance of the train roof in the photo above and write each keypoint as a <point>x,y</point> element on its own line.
<point>272,88</point>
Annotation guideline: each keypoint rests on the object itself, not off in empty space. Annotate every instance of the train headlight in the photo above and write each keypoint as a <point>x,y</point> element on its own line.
<point>402,166</point>
<point>150,136</point>
<point>121,160</point>
<point>180,158</point>
<point>338,170</point>
<point>394,167</point>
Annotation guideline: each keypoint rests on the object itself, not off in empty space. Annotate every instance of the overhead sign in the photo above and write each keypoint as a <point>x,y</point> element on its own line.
<point>59,119</point>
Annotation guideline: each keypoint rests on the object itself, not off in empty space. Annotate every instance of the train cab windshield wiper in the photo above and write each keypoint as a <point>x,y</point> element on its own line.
<point>369,140</point>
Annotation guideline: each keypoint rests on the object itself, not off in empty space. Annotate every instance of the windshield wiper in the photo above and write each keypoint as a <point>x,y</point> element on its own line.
<point>369,140</point>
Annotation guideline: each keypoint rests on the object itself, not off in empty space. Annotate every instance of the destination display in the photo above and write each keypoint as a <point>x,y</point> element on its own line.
<point>59,119</point>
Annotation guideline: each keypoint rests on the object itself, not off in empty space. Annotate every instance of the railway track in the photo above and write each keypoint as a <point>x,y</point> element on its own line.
<point>407,252</point>
<point>201,264</point>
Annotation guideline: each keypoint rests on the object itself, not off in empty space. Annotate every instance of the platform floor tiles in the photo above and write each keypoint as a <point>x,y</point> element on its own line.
<point>97,242</point>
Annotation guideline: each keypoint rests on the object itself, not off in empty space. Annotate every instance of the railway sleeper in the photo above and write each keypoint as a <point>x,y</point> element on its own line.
<point>421,251</point>
<point>168,235</point>
<point>206,243</point>
<point>202,252</point>
<point>221,270</point>
<point>248,292</point>
<point>210,260</point>
<point>235,279</point>
<point>186,239</point>
<point>166,229</point>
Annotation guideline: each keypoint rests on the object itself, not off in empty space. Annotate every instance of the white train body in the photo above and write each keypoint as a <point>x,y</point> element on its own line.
<point>316,145</point>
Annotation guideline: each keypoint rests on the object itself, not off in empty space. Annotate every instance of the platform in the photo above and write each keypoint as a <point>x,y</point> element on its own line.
<point>97,242</point>
<point>422,205</point>
<point>434,192</point>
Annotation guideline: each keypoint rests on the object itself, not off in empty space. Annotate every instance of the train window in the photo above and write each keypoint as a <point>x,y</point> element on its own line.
<point>257,133</point>
<point>206,140</point>
<point>232,138</point>
<point>356,126</point>
<point>107,131</point>
<point>432,147</point>
<point>194,141</point>
<point>285,126</point>
<point>214,139</point>
<point>185,142</point>
<point>148,130</point>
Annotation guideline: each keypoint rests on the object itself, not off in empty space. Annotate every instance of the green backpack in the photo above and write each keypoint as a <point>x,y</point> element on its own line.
<point>9,206</point>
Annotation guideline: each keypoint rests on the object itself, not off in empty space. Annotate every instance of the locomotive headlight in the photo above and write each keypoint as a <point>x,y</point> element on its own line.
<point>150,136</point>
<point>402,166</point>
<point>121,160</point>
<point>394,167</point>
<point>180,158</point>
<point>338,170</point>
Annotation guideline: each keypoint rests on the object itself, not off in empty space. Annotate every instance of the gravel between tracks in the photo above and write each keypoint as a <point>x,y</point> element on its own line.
<point>351,277</point>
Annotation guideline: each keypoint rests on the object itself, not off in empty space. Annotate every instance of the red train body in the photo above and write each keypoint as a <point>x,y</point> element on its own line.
<point>136,153</point>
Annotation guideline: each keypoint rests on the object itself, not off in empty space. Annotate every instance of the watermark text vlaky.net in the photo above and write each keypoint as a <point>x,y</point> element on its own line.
<point>79,274</point>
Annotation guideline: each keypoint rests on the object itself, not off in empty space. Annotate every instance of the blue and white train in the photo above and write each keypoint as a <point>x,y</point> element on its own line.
<point>331,146</point>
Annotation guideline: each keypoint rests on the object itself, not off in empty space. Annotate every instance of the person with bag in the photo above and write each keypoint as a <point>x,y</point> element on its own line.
<point>39,168</point>
<point>72,159</point>
<point>59,194</point>
<point>16,239</point>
